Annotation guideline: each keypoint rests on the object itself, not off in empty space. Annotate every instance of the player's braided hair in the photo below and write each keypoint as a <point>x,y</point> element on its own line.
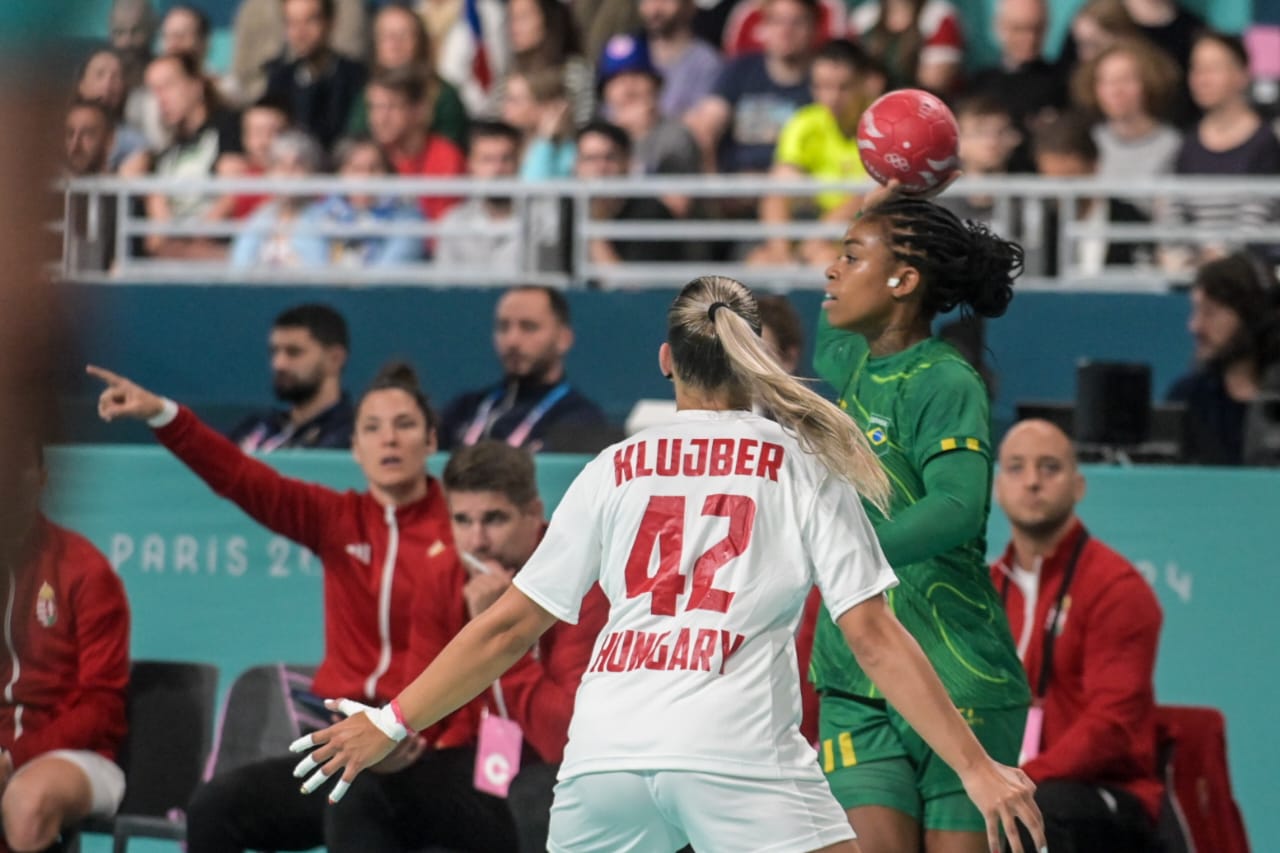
<point>713,329</point>
<point>961,264</point>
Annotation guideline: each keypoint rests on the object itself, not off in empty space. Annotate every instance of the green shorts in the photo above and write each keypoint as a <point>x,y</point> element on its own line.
<point>873,758</point>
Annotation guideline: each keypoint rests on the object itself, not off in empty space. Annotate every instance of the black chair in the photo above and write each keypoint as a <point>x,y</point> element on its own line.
<point>170,711</point>
<point>260,717</point>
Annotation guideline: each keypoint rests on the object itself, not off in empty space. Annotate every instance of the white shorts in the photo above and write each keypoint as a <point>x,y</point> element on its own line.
<point>661,811</point>
<point>106,779</point>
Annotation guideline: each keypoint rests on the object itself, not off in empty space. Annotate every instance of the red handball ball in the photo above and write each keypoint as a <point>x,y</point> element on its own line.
<point>910,135</point>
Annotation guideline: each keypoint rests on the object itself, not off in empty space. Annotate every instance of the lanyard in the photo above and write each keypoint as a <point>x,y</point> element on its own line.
<point>1051,631</point>
<point>480,424</point>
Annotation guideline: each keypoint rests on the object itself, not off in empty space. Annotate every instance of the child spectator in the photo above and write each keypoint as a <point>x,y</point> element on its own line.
<point>535,103</point>
<point>357,159</point>
<point>988,140</point>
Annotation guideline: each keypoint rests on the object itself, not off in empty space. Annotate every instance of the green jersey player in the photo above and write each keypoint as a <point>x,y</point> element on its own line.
<point>925,412</point>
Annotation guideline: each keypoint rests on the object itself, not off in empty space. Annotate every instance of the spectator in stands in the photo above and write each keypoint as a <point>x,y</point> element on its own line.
<point>497,519</point>
<point>533,406</point>
<point>919,42</point>
<point>376,546</point>
<point>274,237</point>
<point>132,30</point>
<point>259,36</point>
<point>1235,330</point>
<point>90,236</point>
<point>629,86</point>
<point>820,141</point>
<point>1064,148</point>
<point>398,122</point>
<point>744,25</point>
<point>202,132</point>
<point>400,42</point>
<point>1096,26</point>
<point>600,20</point>
<point>185,29</point>
<point>782,330</point>
<point>89,138</point>
<point>988,140</point>
<point>493,153</point>
<point>604,151</point>
<point>738,124</point>
<point>687,66</point>
<point>536,104</point>
<point>1231,139</point>
<point>101,79</point>
<point>260,124</point>
<point>66,668</point>
<point>309,346</point>
<point>1165,24</point>
<point>1028,86</point>
<point>318,84</point>
<point>1090,745</point>
<point>357,159</point>
<point>542,34</point>
<point>1130,86</point>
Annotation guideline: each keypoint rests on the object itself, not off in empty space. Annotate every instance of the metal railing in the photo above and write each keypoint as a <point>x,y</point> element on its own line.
<point>544,215</point>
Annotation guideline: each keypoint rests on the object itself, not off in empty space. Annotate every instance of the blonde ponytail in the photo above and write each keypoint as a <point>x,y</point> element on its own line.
<point>752,371</point>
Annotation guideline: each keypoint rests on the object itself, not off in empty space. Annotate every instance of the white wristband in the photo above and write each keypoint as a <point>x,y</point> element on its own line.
<point>168,412</point>
<point>385,719</point>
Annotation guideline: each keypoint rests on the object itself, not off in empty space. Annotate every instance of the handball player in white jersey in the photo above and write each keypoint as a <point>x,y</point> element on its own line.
<point>706,534</point>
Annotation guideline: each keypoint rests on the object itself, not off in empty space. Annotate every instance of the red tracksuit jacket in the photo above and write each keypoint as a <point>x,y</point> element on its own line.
<point>373,556</point>
<point>1099,707</point>
<point>539,690</point>
<point>65,665</point>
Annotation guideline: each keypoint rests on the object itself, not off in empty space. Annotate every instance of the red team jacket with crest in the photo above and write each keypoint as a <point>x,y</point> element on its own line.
<point>1099,707</point>
<point>373,557</point>
<point>66,642</point>
<point>538,691</point>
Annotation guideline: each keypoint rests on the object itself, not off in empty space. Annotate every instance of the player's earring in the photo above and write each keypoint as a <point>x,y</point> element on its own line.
<point>667,375</point>
<point>894,282</point>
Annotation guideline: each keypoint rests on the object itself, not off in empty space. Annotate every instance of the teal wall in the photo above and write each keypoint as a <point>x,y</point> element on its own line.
<point>206,346</point>
<point>207,584</point>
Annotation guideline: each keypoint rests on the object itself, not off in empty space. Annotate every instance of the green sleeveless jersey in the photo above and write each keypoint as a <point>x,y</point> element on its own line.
<point>913,406</point>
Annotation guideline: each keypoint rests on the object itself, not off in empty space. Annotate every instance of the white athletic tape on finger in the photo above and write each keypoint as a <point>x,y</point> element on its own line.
<point>350,707</point>
<point>302,744</point>
<point>305,766</point>
<point>316,780</point>
<point>339,790</point>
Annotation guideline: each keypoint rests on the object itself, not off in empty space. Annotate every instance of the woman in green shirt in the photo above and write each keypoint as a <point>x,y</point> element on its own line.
<point>925,411</point>
<point>400,41</point>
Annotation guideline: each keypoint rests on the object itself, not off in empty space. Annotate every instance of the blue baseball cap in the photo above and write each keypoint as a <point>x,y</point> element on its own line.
<point>625,54</point>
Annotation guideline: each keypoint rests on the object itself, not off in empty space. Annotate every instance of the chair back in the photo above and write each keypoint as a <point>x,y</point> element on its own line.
<point>260,717</point>
<point>1198,798</point>
<point>170,711</point>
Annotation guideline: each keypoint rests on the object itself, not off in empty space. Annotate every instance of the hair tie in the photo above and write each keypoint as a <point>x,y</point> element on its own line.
<point>716,306</point>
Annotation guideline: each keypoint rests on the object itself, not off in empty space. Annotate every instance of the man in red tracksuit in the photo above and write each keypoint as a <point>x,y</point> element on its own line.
<point>375,546</point>
<point>497,520</point>
<point>1091,733</point>
<point>65,669</point>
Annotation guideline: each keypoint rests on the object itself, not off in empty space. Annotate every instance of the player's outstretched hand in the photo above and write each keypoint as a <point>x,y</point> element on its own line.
<point>124,399</point>
<point>884,192</point>
<point>1006,795</point>
<point>362,740</point>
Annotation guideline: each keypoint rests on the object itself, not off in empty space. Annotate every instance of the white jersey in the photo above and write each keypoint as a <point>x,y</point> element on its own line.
<point>706,535</point>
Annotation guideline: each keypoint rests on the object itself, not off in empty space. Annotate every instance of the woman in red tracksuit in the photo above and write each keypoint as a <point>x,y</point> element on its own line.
<point>374,546</point>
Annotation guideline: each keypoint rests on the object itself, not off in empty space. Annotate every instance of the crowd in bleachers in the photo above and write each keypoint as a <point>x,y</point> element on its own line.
<point>1140,88</point>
